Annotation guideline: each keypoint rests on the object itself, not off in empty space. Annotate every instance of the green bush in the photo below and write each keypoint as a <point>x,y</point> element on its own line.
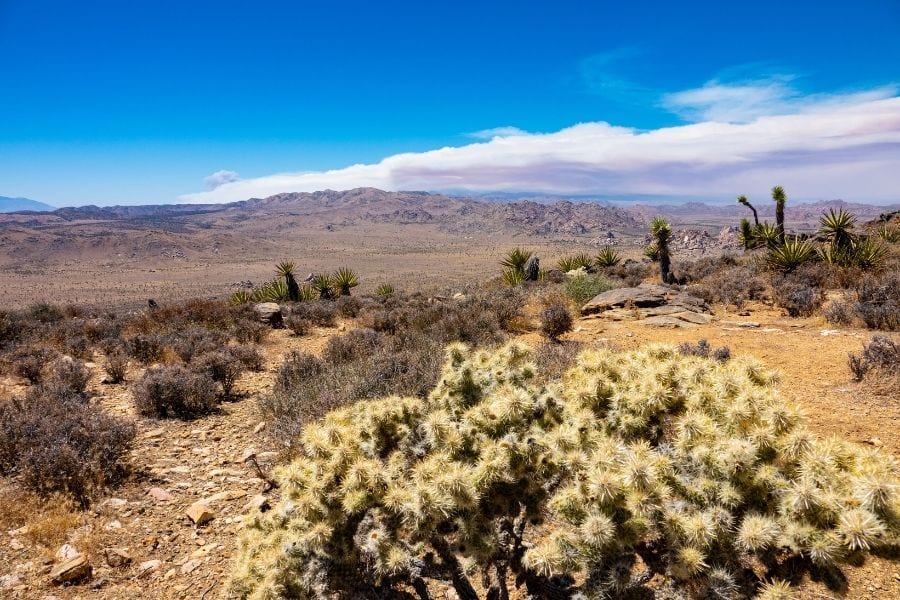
<point>584,286</point>
<point>693,466</point>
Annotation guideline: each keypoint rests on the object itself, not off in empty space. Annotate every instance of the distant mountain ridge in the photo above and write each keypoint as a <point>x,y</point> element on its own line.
<point>8,204</point>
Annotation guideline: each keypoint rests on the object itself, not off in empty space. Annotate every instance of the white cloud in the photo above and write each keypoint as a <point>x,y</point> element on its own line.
<point>745,101</point>
<point>835,146</point>
<point>220,178</point>
<point>489,134</point>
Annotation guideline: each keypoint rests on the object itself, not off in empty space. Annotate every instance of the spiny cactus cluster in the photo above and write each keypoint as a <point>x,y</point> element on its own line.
<point>634,464</point>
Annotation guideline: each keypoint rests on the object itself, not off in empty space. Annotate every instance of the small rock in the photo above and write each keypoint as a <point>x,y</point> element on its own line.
<point>112,525</point>
<point>827,332</point>
<point>190,566</point>
<point>159,494</point>
<point>114,502</point>
<point>117,557</point>
<point>154,433</point>
<point>199,513</point>
<point>15,544</point>
<point>875,441</point>
<point>259,427</point>
<point>10,581</point>
<point>66,552</point>
<point>247,455</point>
<point>257,502</point>
<point>74,569</point>
<point>148,567</point>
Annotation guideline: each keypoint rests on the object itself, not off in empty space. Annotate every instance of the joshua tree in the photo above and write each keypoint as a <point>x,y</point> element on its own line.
<point>743,200</point>
<point>780,198</point>
<point>661,232</point>
<point>286,269</point>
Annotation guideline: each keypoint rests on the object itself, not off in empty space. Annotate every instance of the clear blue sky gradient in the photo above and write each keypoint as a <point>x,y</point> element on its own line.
<point>108,102</point>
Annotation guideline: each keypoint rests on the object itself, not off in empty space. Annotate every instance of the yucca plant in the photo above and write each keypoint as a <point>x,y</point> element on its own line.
<point>837,228</point>
<point>662,232</point>
<point>240,297</point>
<point>766,234</point>
<point>652,252</point>
<point>746,235</point>
<point>869,254</point>
<point>791,254</point>
<point>743,200</point>
<point>574,262</point>
<point>384,290</point>
<point>286,269</point>
<point>516,259</point>
<point>323,286</point>
<point>307,293</point>
<point>512,277</point>
<point>607,258</point>
<point>343,279</point>
<point>780,198</point>
<point>275,291</point>
<point>889,234</point>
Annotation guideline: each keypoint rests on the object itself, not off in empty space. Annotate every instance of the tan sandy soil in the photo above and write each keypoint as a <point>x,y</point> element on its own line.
<point>199,459</point>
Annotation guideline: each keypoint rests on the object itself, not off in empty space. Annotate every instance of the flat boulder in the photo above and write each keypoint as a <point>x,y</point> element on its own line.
<point>646,295</point>
<point>269,313</point>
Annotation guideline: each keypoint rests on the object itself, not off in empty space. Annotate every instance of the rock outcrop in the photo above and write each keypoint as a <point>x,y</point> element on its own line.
<point>650,304</point>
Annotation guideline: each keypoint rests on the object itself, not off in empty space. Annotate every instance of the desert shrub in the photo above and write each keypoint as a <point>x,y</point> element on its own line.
<point>352,345</point>
<point>29,362</point>
<point>879,301</point>
<point>66,378</point>
<point>696,468</point>
<point>296,368</point>
<point>246,331</point>
<point>321,313</point>
<point>733,285</point>
<point>704,350</point>
<point>551,360</point>
<point>145,348</point>
<point>629,273</point>
<point>44,313</point>
<point>840,312</point>
<point>555,321</point>
<point>798,299</point>
<point>299,326</point>
<point>115,367</point>
<point>174,391</point>
<point>56,445</point>
<point>250,357</point>
<point>220,366</point>
<point>100,329</point>
<point>583,287</point>
<point>348,306</point>
<point>706,266</point>
<point>307,387</point>
<point>881,353</point>
<point>195,342</point>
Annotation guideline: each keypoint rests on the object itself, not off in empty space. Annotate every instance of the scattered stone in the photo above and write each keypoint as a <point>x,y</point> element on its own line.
<point>190,566</point>
<point>226,495</point>
<point>257,502</point>
<point>10,581</point>
<point>259,427</point>
<point>247,455</point>
<point>159,494</point>
<point>154,433</point>
<point>741,324</point>
<point>15,544</point>
<point>148,567</point>
<point>199,513</point>
<point>117,557</point>
<point>875,441</point>
<point>828,332</point>
<point>72,570</point>
<point>66,552</point>
<point>269,313</point>
<point>114,502</point>
<point>112,525</point>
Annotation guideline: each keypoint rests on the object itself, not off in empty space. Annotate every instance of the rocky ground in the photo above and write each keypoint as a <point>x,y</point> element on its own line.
<point>170,531</point>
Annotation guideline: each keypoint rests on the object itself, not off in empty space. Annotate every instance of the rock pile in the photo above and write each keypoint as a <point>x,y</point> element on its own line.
<point>650,304</point>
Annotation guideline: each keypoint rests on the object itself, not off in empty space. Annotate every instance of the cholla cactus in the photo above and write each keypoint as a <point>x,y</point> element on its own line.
<point>695,466</point>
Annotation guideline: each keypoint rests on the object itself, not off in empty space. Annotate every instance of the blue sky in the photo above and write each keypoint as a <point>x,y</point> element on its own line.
<point>140,102</point>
